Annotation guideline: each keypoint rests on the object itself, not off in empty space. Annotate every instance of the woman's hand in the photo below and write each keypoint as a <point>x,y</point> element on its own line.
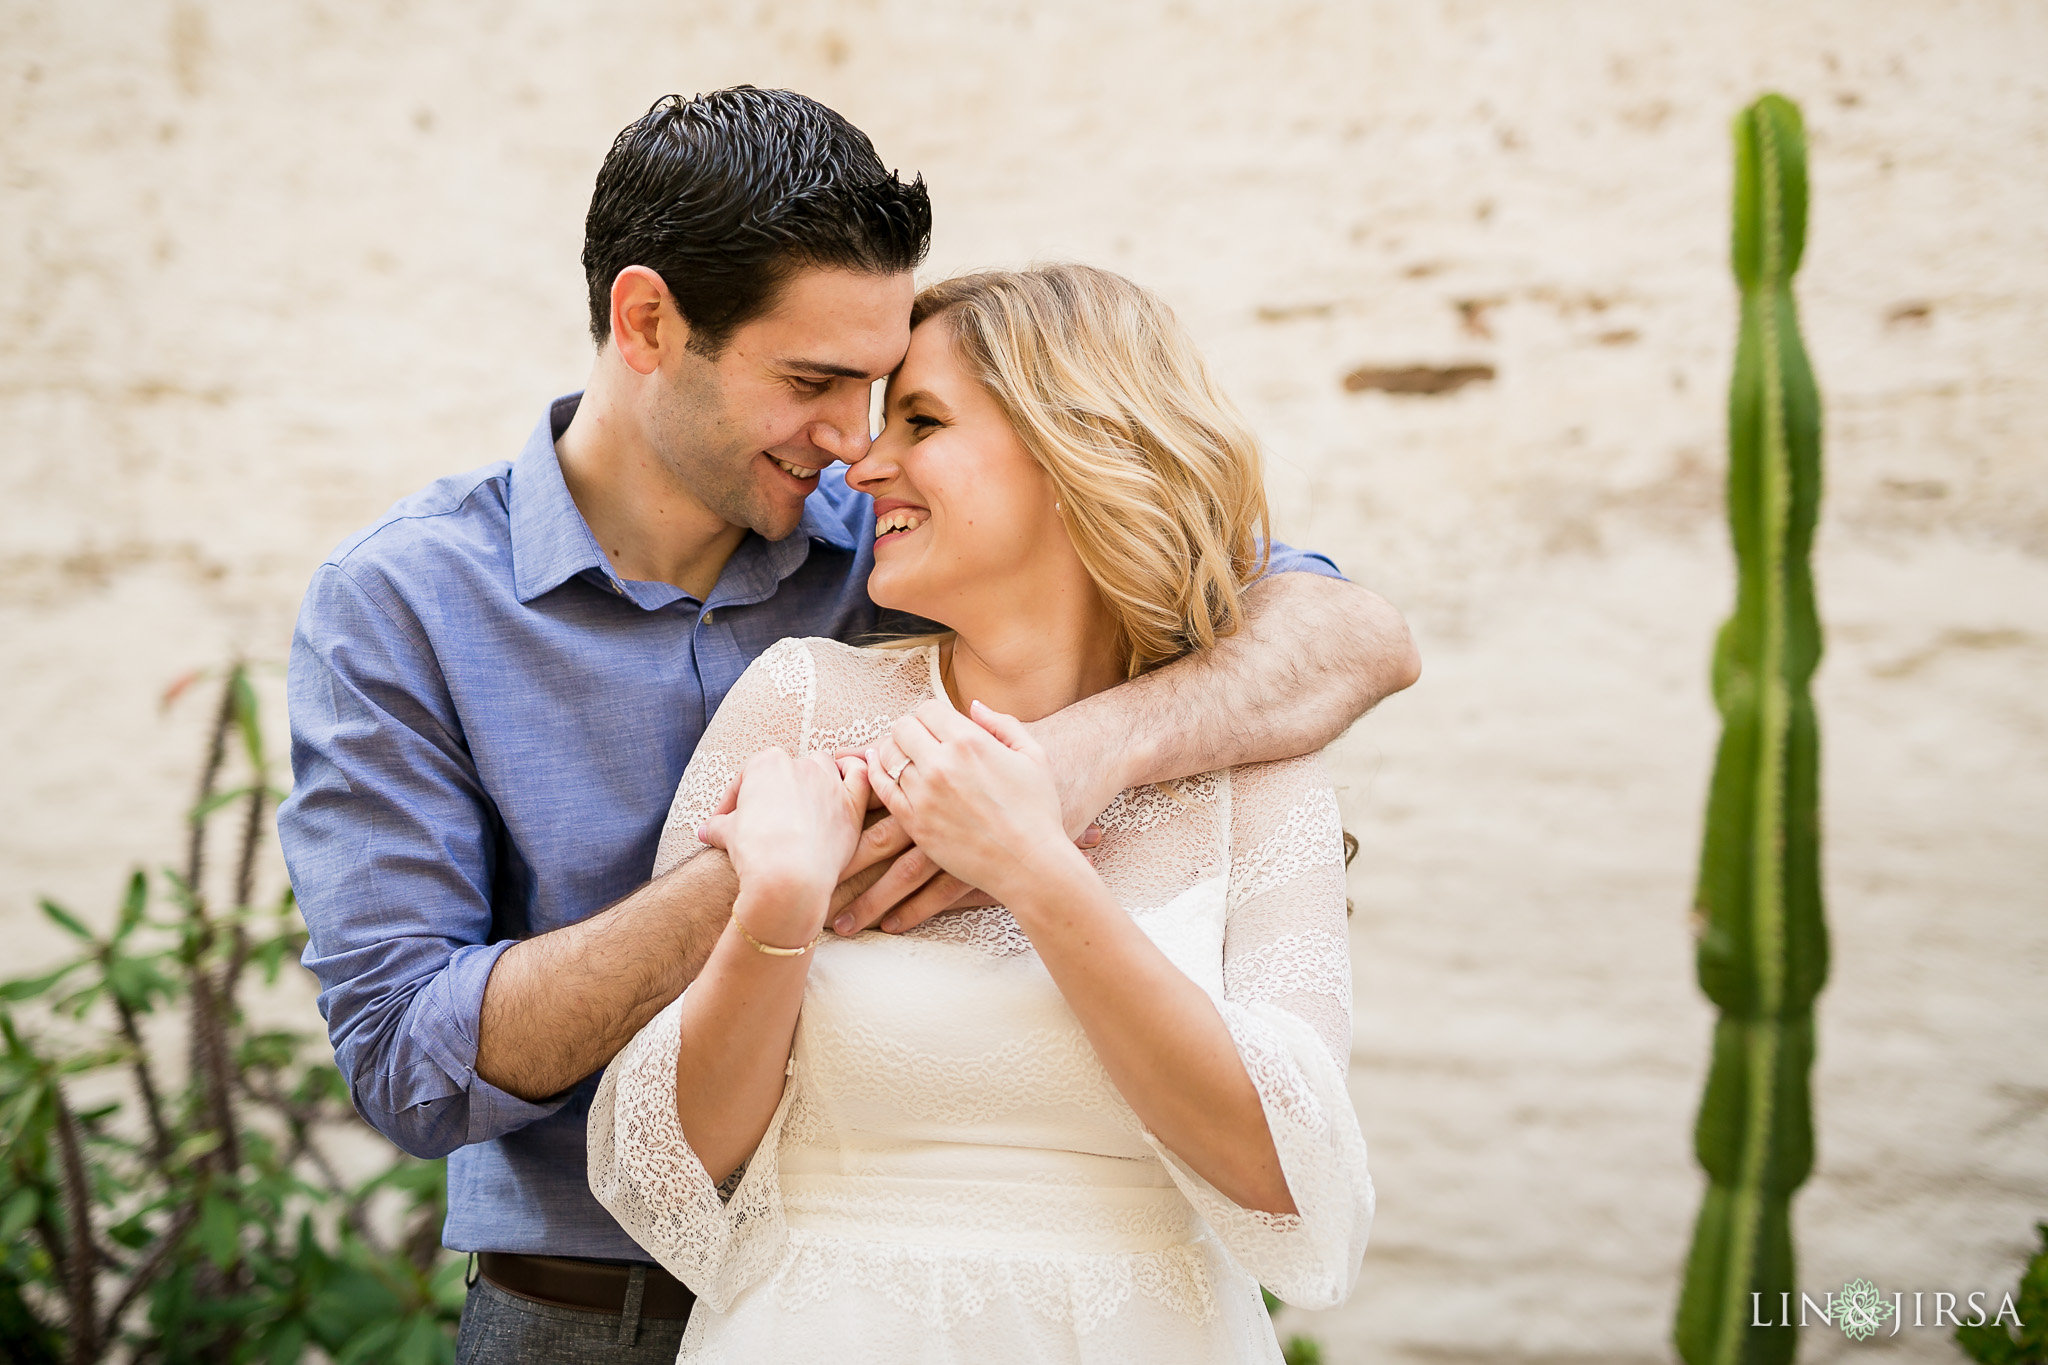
<point>789,825</point>
<point>977,795</point>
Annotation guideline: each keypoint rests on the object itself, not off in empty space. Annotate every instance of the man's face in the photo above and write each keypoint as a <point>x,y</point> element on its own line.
<point>747,433</point>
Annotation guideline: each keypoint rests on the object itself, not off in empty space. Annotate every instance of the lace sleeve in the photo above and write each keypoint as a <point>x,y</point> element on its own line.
<point>717,1241</point>
<point>769,707</point>
<point>1287,1003</point>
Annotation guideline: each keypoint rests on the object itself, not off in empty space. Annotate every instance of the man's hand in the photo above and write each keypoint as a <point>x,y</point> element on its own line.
<point>559,1006</point>
<point>893,885</point>
<point>887,871</point>
<point>977,795</point>
<point>1314,655</point>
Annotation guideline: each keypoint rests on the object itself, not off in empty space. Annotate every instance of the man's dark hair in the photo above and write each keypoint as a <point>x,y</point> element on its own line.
<point>727,194</point>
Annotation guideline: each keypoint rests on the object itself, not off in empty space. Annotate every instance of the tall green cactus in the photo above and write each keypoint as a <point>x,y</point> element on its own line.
<point>1763,950</point>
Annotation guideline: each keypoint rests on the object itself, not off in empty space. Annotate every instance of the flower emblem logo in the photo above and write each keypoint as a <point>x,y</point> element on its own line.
<point>1860,1310</point>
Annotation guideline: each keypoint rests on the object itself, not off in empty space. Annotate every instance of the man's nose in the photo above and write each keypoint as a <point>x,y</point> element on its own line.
<point>844,431</point>
<point>851,447</point>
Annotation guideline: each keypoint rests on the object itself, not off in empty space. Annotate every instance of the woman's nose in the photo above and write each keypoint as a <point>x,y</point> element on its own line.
<point>874,468</point>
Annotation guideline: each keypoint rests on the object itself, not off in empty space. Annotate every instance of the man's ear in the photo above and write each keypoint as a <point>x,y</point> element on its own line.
<point>646,324</point>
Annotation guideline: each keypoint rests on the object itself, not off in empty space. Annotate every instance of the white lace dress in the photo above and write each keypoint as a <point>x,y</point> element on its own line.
<point>950,1175</point>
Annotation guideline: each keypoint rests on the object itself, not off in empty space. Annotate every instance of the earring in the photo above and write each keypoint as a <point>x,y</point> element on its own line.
<point>1056,507</point>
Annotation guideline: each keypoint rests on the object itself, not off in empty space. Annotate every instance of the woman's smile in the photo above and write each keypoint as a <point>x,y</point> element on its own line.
<point>895,519</point>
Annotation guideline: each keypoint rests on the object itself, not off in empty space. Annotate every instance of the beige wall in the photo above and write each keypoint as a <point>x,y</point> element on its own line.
<point>267,267</point>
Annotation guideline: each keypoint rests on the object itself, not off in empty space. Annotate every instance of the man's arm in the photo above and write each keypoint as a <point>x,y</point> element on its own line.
<point>445,1037</point>
<point>389,837</point>
<point>1315,654</point>
<point>560,1006</point>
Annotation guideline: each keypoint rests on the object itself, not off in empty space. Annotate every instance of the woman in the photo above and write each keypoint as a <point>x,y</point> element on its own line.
<point>1082,1125</point>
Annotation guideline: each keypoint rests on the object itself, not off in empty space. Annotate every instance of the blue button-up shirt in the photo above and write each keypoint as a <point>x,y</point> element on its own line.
<point>487,729</point>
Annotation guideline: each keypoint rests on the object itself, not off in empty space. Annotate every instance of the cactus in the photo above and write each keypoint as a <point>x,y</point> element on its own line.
<point>1763,950</point>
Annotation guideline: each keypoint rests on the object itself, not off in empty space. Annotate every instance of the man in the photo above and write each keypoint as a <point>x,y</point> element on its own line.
<point>496,687</point>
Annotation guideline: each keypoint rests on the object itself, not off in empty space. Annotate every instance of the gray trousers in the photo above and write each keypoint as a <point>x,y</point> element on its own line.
<point>503,1329</point>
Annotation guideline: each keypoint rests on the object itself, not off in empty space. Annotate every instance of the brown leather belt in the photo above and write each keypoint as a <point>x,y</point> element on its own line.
<point>593,1286</point>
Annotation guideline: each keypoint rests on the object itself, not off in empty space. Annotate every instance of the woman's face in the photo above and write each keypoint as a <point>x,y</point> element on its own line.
<point>964,516</point>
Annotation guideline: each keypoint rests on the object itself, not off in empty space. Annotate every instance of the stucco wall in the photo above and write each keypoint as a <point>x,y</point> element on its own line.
<point>266,268</point>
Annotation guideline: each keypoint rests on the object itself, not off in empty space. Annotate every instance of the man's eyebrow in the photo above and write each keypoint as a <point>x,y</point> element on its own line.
<point>824,367</point>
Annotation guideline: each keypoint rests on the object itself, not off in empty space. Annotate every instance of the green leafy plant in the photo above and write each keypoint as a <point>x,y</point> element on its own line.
<point>1763,948</point>
<point>201,1218</point>
<point>1297,1349</point>
<point>1995,1344</point>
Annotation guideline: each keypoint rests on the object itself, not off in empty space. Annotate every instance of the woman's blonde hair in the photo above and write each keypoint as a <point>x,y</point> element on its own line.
<point>1158,478</point>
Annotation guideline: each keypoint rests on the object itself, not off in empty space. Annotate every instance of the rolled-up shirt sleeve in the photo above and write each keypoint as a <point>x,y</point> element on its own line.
<point>392,842</point>
<point>1287,559</point>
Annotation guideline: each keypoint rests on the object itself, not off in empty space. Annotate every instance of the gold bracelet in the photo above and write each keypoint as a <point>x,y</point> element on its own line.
<point>767,948</point>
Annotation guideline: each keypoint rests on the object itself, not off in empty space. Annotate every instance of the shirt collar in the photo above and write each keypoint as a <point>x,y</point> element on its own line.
<point>552,543</point>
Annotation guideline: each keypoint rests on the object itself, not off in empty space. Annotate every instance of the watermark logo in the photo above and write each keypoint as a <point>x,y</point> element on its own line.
<point>1862,1309</point>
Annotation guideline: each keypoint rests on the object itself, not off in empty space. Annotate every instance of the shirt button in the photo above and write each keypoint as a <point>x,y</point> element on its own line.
<point>707,618</point>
